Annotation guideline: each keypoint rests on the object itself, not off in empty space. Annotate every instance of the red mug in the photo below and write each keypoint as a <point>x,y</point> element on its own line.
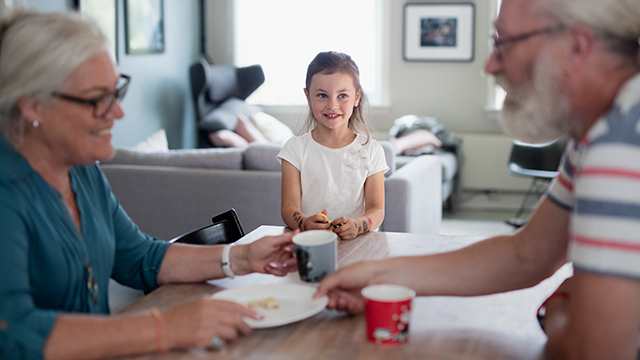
<point>387,311</point>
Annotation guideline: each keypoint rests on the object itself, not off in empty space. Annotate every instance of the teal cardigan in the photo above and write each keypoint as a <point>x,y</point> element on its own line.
<point>42,252</point>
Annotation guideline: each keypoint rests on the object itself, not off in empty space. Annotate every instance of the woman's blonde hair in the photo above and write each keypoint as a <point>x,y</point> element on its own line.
<point>332,62</point>
<point>38,54</point>
<point>616,22</point>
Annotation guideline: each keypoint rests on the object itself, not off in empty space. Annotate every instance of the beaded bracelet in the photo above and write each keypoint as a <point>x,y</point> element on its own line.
<point>542,310</point>
<point>157,318</point>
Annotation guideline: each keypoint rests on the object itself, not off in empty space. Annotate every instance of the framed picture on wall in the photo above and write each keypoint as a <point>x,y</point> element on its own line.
<point>438,31</point>
<point>144,26</point>
<point>104,13</point>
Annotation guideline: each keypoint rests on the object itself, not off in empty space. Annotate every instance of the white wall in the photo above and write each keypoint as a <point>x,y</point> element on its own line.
<point>456,93</point>
<point>159,95</point>
<point>485,163</point>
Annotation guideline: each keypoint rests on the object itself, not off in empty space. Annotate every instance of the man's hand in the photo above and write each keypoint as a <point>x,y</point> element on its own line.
<point>343,286</point>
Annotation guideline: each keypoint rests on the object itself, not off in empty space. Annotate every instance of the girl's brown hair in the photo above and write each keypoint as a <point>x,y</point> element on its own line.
<point>332,62</point>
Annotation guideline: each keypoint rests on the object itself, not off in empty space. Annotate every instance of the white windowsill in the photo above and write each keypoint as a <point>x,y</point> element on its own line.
<point>492,113</point>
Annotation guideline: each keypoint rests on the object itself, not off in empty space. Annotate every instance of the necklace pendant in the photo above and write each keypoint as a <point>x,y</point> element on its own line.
<point>92,284</point>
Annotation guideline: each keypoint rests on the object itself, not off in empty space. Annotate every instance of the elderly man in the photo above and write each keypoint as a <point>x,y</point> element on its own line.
<point>569,67</point>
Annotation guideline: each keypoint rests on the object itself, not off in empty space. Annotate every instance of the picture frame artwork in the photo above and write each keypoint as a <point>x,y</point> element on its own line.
<point>104,13</point>
<point>439,32</point>
<point>144,26</point>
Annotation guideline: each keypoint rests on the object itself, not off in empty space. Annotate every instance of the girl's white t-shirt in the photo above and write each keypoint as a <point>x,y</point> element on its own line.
<point>333,179</point>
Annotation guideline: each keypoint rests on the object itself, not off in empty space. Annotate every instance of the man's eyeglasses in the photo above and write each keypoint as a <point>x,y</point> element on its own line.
<point>103,103</point>
<point>498,42</point>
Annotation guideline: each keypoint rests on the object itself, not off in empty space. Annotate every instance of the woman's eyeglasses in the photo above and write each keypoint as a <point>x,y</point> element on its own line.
<point>103,103</point>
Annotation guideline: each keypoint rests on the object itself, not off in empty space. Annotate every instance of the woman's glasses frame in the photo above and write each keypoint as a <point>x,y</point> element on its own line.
<point>103,103</point>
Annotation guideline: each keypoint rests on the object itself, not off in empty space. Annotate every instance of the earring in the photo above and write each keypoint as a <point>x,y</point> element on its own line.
<point>35,123</point>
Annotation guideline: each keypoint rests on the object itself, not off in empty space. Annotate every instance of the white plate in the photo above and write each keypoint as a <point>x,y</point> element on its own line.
<point>295,302</point>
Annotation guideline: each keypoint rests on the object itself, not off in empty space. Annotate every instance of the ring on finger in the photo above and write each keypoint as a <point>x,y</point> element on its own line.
<point>216,343</point>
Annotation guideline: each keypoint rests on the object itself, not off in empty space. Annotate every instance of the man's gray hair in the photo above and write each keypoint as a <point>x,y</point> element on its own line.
<point>38,54</point>
<point>616,22</point>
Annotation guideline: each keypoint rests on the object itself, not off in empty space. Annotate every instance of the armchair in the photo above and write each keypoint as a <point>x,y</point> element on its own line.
<point>538,161</point>
<point>219,92</point>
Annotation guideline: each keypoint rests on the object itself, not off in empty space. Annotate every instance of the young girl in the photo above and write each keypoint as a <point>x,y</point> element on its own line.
<point>333,175</point>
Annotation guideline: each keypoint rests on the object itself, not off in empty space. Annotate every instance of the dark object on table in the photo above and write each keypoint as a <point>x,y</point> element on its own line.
<point>225,229</point>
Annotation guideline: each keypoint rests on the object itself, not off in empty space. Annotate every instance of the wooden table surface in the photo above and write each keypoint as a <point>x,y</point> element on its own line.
<point>501,326</point>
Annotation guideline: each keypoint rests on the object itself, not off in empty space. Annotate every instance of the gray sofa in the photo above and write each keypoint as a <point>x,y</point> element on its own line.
<point>168,194</point>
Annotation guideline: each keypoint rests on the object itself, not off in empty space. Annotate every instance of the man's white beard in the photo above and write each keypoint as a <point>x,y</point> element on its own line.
<point>539,113</point>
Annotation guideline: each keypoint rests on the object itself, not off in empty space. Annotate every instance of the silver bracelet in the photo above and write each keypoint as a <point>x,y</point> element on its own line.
<point>226,263</point>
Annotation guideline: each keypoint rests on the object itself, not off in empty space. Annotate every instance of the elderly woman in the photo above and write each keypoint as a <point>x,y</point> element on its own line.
<point>64,234</point>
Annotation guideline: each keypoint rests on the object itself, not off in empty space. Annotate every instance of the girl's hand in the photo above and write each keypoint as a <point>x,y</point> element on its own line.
<point>349,228</point>
<point>270,255</point>
<point>317,222</point>
<point>196,323</point>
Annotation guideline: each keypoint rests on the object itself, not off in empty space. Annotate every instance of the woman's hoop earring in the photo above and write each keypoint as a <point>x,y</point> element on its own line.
<point>35,123</point>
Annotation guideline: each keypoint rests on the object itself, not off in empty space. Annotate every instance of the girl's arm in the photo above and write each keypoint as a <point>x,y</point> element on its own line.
<point>291,196</point>
<point>373,213</point>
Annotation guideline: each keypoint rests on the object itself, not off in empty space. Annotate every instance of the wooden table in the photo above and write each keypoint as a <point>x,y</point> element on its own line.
<point>501,326</point>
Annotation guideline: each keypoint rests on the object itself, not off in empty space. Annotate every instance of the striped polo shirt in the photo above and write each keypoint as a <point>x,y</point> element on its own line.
<point>599,182</point>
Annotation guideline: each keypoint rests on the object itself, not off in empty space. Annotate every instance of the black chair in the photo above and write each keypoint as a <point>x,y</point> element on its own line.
<point>219,92</point>
<point>539,161</point>
<point>225,229</point>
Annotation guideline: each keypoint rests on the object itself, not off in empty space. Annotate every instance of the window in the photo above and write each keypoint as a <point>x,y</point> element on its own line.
<point>285,35</point>
<point>496,94</point>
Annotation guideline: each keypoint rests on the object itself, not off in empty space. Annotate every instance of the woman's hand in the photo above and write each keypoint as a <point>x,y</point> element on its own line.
<point>269,255</point>
<point>196,323</point>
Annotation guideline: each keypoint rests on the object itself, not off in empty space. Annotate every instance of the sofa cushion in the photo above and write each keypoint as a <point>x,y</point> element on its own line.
<point>448,160</point>
<point>218,158</point>
<point>262,157</point>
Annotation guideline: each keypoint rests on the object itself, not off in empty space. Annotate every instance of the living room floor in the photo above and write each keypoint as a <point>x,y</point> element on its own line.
<point>476,223</point>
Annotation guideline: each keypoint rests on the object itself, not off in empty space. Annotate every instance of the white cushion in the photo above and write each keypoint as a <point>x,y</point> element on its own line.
<point>157,142</point>
<point>272,129</point>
